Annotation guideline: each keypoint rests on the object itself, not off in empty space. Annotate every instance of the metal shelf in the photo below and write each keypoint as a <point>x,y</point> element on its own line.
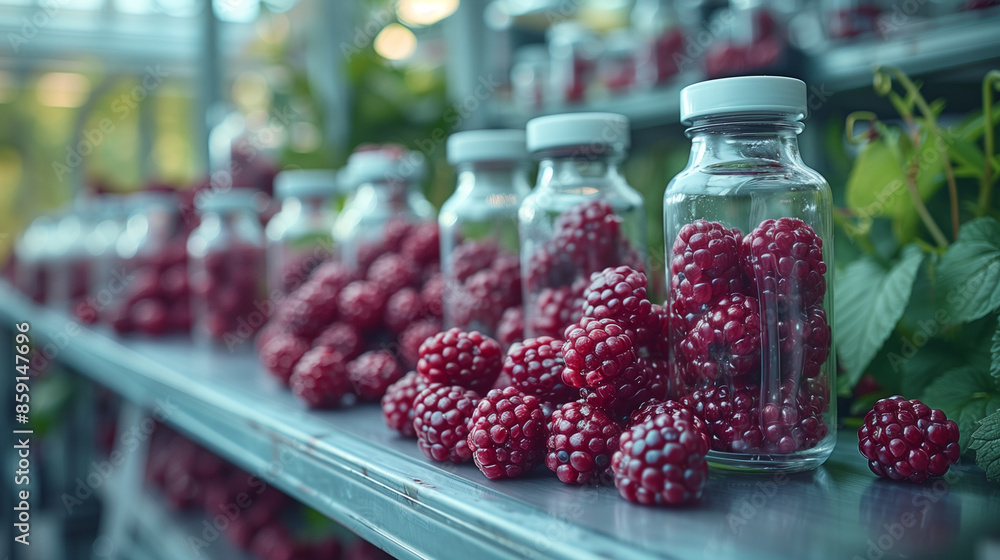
<point>350,467</point>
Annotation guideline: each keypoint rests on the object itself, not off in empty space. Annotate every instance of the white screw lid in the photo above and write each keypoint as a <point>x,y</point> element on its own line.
<point>305,182</point>
<point>486,145</point>
<point>226,200</point>
<point>578,129</point>
<point>747,94</point>
<point>383,164</point>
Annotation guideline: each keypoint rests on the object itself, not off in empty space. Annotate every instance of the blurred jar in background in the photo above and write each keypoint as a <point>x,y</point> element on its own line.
<point>68,281</point>
<point>529,77</point>
<point>616,70</point>
<point>661,41</point>
<point>478,228</point>
<point>386,183</point>
<point>850,18</point>
<point>581,218</point>
<point>573,54</point>
<point>33,264</point>
<point>300,236</point>
<point>110,214</point>
<point>149,278</point>
<point>754,43</point>
<point>227,271</point>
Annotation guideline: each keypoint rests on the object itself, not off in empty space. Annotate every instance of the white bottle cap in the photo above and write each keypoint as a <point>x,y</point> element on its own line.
<point>486,145</point>
<point>213,200</point>
<point>384,164</point>
<point>747,94</point>
<point>578,129</point>
<point>305,182</point>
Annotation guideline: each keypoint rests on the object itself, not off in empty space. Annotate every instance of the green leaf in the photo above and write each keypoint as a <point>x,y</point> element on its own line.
<point>969,272</point>
<point>922,366</point>
<point>869,302</point>
<point>966,153</point>
<point>986,443</point>
<point>995,354</point>
<point>967,395</point>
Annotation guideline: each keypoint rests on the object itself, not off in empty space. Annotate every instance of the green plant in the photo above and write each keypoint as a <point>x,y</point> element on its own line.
<point>918,310</point>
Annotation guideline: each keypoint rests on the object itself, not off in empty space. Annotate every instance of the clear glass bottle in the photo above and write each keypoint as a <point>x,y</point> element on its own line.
<point>573,54</point>
<point>33,261</point>
<point>582,216</point>
<point>227,270</point>
<point>749,246</point>
<point>109,223</point>
<point>69,280</point>
<point>386,182</point>
<point>661,41</point>
<point>478,228</point>
<point>300,236</point>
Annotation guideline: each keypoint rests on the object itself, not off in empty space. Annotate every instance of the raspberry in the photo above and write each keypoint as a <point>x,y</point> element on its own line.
<point>617,293</point>
<point>582,440</point>
<point>704,267</point>
<point>511,327</point>
<point>589,234</point>
<point>432,295</point>
<point>470,257</point>
<point>804,341</point>
<point>479,303</point>
<point>661,462</point>
<point>650,334</point>
<point>360,304</point>
<point>320,378</point>
<point>333,274</point>
<point>311,308</point>
<point>150,317</point>
<point>725,343</point>
<point>535,367</point>
<point>655,407</point>
<point>403,309</point>
<point>392,273</point>
<point>506,271</point>
<point>372,372</point>
<point>280,354</point>
<point>783,259</point>
<point>555,309</point>
<point>411,339</point>
<point>456,357</point>
<point>619,396</point>
<point>397,403</point>
<point>343,338</point>
<point>908,440</point>
<point>423,244</point>
<point>507,433</point>
<point>595,350</point>
<point>441,416</point>
<point>548,267</point>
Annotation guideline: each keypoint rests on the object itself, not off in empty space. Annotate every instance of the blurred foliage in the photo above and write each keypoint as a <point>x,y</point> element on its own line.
<point>917,302</point>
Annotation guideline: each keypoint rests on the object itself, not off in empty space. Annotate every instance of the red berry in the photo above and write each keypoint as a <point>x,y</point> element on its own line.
<point>804,342</point>
<point>704,268</point>
<point>783,259</point>
<point>411,339</point>
<point>590,235</point>
<point>507,434</point>
<point>392,273</point>
<point>595,350</point>
<point>343,338</point>
<point>432,296</point>
<point>725,343</point>
<point>423,244</point>
<point>149,316</point>
<point>372,373</point>
<point>471,256</point>
<point>456,357</point>
<point>479,303</point>
<point>620,395</point>
<point>908,440</point>
<point>655,407</point>
<point>617,293</point>
<point>511,327</point>
<point>280,354</point>
<point>554,310</point>
<point>441,416</point>
<point>360,303</point>
<point>333,274</point>
<point>320,378</point>
<point>397,403</point>
<point>311,308</point>
<point>534,367</point>
<point>661,462</point>
<point>403,309</point>
<point>582,440</point>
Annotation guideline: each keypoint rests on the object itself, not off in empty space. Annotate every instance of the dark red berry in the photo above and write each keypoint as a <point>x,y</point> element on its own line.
<point>554,310</point>
<point>311,308</point>
<point>423,243</point>
<point>595,350</point>
<point>397,403</point>
<point>478,303</point>
<point>149,316</point>
<point>333,274</point>
<point>582,439</point>
<point>507,433</point>
<point>704,268</point>
<point>472,256</point>
<point>393,272</point>
<point>617,293</point>
<point>725,343</point>
<point>784,257</point>
<point>620,395</point>
<point>372,373</point>
<point>534,367</point>
<point>655,407</point>
<point>432,296</point>
<point>403,309</point>
<point>280,354</point>
<point>908,440</point>
<point>804,343</point>
<point>456,357</point>
<point>411,339</point>
<point>589,234</point>
<point>320,378</point>
<point>511,327</point>
<point>661,462</point>
<point>360,303</point>
<point>343,338</point>
<point>441,417</point>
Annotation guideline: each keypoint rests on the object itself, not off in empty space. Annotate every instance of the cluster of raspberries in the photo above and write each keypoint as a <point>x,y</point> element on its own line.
<point>347,334</point>
<point>589,405</point>
<point>482,283</point>
<point>736,302</point>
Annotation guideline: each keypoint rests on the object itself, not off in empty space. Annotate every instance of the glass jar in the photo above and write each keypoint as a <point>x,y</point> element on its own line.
<point>109,223</point>
<point>616,67</point>
<point>33,261</point>
<point>227,270</point>
<point>529,77</point>
<point>661,41</point>
<point>581,218</point>
<point>478,228</point>
<point>753,41</point>
<point>69,280</point>
<point>300,236</point>
<point>387,189</point>
<point>749,233</point>
<point>573,54</point>
<point>149,278</point>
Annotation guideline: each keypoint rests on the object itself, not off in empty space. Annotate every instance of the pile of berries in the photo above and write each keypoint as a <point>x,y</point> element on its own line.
<point>737,302</point>
<point>348,334</point>
<point>482,281</point>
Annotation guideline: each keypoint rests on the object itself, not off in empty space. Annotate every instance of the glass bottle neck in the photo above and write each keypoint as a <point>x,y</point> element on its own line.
<point>569,172</point>
<point>715,141</point>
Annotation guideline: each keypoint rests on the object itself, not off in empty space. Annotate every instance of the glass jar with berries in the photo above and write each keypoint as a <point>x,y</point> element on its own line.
<point>573,55</point>
<point>478,228</point>
<point>748,229</point>
<point>658,28</point>
<point>300,236</point>
<point>69,281</point>
<point>581,218</point>
<point>227,270</point>
<point>109,222</point>
<point>386,201</point>
<point>33,258</point>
